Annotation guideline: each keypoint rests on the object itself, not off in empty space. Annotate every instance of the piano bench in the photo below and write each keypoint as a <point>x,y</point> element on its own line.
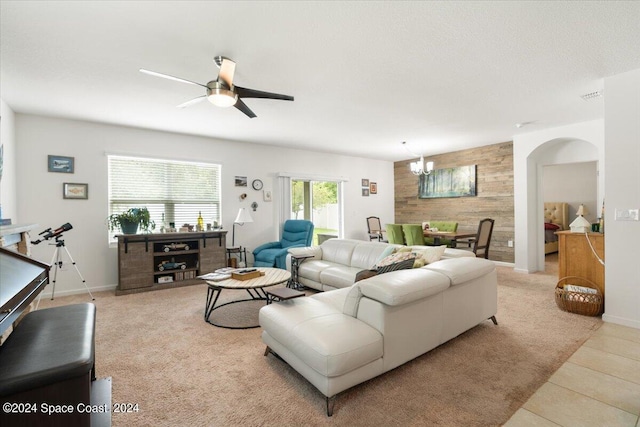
<point>48,362</point>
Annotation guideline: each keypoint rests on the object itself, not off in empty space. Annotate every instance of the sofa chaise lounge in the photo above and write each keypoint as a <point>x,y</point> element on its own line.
<point>343,337</point>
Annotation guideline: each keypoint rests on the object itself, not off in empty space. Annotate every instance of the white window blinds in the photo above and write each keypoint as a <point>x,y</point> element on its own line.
<point>179,190</point>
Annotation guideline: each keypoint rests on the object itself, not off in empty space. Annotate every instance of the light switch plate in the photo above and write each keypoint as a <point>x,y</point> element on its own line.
<point>627,215</point>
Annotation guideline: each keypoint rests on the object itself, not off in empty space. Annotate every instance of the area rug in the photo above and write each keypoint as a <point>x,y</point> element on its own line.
<point>182,371</point>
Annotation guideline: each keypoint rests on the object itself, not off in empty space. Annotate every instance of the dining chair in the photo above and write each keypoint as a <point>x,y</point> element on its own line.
<point>483,238</point>
<point>413,234</point>
<point>394,234</point>
<point>375,229</point>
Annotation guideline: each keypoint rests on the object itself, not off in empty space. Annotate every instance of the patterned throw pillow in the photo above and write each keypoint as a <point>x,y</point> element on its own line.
<point>365,274</point>
<point>429,255</point>
<point>397,261</point>
<point>387,251</point>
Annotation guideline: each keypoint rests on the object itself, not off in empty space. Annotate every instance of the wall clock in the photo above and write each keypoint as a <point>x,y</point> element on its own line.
<point>257,184</point>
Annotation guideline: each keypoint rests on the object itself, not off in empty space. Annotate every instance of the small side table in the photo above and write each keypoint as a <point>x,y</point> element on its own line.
<point>296,260</point>
<point>282,294</point>
<point>236,256</point>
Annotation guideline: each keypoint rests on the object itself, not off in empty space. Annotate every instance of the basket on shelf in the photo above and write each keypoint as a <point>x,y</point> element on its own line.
<point>587,304</point>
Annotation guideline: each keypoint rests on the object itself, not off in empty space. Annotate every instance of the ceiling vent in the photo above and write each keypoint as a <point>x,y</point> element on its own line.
<point>592,95</point>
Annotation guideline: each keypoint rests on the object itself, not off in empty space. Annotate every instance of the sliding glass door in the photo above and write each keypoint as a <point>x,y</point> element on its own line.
<point>318,202</point>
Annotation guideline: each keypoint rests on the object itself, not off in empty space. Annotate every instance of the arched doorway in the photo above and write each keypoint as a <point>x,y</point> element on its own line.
<point>557,151</point>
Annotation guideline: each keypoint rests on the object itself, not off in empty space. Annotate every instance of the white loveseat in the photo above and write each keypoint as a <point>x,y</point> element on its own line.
<point>335,263</point>
<point>341,338</point>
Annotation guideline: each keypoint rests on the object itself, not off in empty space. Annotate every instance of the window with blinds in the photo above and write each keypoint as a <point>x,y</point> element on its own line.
<point>178,190</point>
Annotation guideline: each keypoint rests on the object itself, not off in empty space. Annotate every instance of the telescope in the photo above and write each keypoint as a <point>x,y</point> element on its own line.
<point>49,234</point>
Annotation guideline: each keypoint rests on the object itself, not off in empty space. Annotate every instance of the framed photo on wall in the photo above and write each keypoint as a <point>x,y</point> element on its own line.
<point>72,190</point>
<point>373,188</point>
<point>61,164</point>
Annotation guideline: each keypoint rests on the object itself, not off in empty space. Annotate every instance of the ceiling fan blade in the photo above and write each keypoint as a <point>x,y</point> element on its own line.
<point>227,70</point>
<point>252,93</point>
<point>166,76</point>
<point>192,101</point>
<point>243,107</point>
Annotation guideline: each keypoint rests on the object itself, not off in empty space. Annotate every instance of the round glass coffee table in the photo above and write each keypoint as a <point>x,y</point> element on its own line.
<point>254,287</point>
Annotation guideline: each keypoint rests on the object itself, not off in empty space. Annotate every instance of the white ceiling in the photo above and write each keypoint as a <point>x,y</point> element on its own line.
<point>366,75</point>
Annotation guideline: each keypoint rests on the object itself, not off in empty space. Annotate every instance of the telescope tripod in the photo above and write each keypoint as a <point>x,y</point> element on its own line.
<point>56,262</point>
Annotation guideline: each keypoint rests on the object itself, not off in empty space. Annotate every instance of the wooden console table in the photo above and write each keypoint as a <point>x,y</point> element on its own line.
<point>575,257</point>
<point>167,260</point>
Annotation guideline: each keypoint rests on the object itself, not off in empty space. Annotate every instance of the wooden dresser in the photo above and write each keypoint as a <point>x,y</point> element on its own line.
<point>575,257</point>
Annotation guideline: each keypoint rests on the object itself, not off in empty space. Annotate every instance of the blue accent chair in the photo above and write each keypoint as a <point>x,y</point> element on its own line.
<point>296,233</point>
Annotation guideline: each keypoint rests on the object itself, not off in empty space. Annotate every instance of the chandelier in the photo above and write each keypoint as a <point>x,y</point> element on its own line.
<point>419,167</point>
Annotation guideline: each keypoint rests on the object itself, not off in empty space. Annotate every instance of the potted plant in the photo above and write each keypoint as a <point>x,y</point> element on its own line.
<point>129,221</point>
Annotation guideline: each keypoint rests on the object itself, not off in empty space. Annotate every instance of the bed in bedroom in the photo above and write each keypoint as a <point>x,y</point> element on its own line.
<point>556,217</point>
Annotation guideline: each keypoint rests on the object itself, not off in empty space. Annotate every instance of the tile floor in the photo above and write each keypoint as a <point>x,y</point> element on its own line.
<point>598,386</point>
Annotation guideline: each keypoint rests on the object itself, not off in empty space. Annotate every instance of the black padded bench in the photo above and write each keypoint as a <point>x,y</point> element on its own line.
<point>48,363</point>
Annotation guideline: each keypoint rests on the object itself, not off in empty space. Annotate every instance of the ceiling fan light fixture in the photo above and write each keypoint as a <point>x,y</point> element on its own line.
<point>221,96</point>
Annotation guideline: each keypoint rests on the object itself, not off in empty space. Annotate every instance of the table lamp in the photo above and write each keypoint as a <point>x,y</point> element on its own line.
<point>580,224</point>
<point>243,216</point>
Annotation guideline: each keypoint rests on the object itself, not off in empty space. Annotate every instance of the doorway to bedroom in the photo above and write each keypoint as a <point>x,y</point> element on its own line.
<point>574,184</point>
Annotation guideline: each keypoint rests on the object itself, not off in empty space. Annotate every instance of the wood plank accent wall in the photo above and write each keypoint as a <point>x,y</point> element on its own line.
<point>494,199</point>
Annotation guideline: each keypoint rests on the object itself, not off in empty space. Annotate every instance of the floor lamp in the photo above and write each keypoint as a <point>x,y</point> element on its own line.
<point>243,216</point>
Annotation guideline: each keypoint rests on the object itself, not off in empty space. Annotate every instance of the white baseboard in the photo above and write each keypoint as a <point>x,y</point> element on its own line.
<point>504,264</point>
<point>621,321</point>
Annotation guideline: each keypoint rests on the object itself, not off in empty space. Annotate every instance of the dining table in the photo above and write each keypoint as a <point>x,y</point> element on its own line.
<point>451,235</point>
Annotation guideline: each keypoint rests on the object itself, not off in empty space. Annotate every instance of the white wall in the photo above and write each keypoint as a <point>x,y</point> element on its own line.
<point>618,159</point>
<point>622,133</point>
<point>41,201</point>
<point>575,184</point>
<point>8,196</point>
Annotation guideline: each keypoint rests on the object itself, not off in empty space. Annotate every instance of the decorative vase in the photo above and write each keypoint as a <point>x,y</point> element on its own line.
<point>129,227</point>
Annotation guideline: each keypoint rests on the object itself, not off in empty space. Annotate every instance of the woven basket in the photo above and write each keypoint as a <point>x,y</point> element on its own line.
<point>579,302</point>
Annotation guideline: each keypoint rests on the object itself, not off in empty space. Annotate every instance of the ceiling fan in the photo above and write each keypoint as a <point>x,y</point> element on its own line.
<point>221,91</point>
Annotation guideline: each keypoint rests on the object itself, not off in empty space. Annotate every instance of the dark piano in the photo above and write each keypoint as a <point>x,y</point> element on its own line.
<point>21,280</point>
<point>47,363</point>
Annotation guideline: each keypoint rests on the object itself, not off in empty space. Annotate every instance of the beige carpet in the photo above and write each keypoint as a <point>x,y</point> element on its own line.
<point>182,371</point>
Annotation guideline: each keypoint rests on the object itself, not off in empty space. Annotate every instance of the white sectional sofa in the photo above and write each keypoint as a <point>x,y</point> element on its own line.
<point>336,262</point>
<point>343,337</point>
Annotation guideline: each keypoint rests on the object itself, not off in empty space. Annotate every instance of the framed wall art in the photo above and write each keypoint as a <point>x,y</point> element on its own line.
<point>61,164</point>
<point>373,188</point>
<point>72,190</point>
<point>448,182</point>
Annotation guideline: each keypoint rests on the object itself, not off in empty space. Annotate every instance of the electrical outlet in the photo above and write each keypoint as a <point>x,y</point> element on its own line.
<point>510,243</point>
<point>627,215</point>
